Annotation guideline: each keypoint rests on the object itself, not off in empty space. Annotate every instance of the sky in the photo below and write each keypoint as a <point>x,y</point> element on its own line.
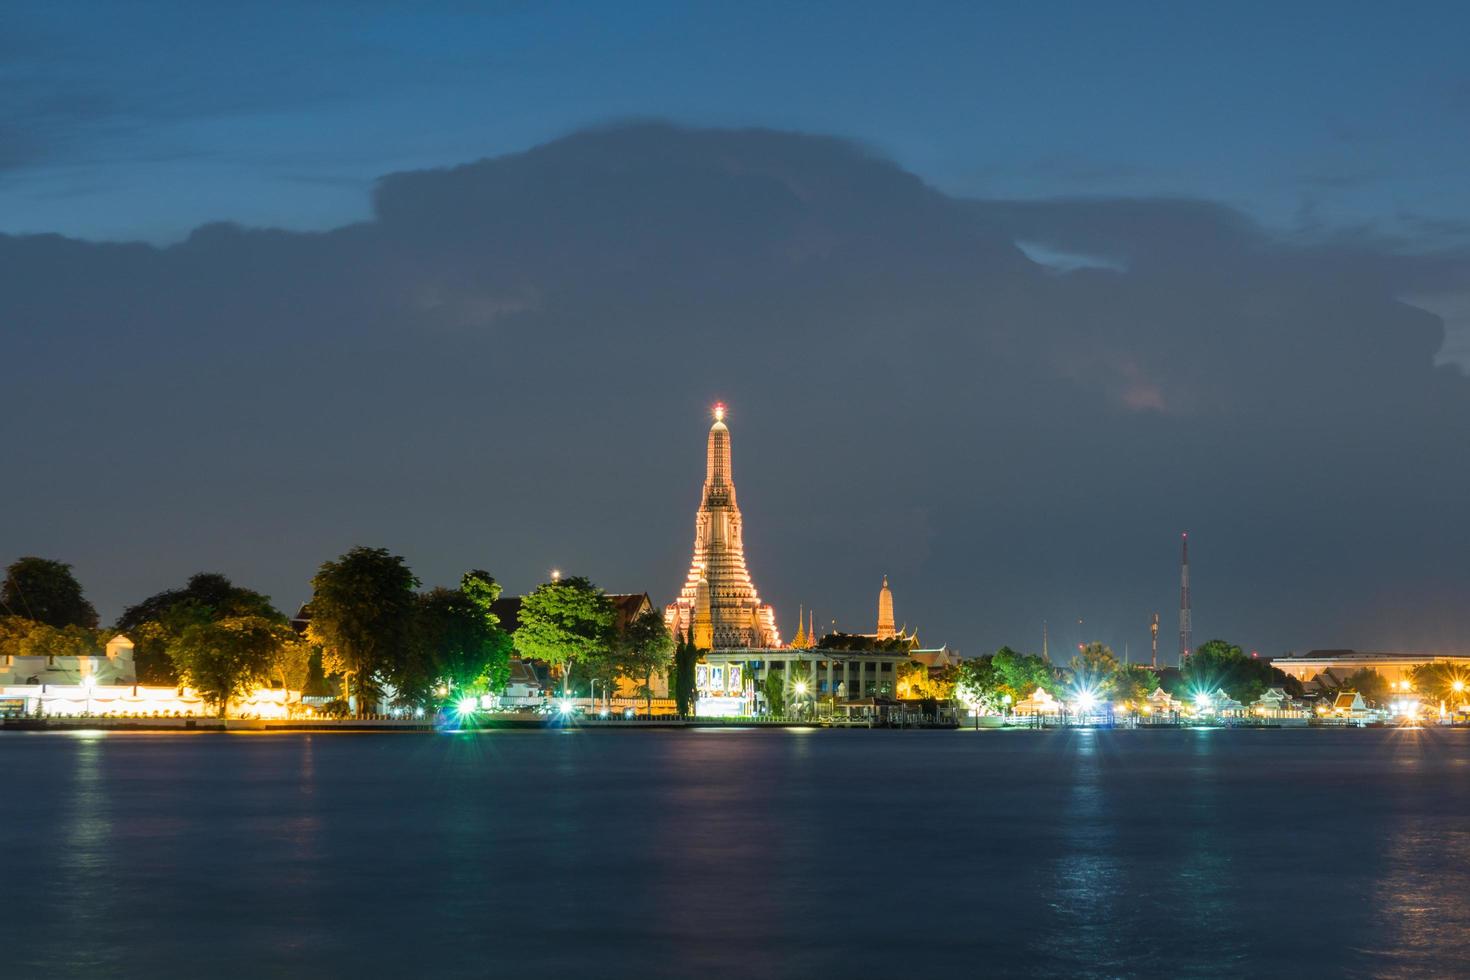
<point>1002,298</point>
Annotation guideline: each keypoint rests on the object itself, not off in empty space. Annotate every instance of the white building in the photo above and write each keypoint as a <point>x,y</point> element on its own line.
<point>113,666</point>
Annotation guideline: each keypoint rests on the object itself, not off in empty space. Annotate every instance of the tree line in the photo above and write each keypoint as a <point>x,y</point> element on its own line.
<point>1007,677</point>
<point>371,633</point>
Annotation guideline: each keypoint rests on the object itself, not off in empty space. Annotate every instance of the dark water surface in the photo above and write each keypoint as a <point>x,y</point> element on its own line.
<point>737,853</point>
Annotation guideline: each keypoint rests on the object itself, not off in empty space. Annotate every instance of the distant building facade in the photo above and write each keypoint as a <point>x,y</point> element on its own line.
<point>1335,666</point>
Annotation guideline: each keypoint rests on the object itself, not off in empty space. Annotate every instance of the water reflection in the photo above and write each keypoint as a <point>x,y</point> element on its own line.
<point>1421,912</point>
<point>88,889</point>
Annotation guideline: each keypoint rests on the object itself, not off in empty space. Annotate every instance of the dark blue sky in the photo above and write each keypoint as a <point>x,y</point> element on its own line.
<point>145,119</point>
<point>1001,300</point>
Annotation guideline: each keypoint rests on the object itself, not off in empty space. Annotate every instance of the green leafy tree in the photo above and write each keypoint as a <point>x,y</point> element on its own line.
<point>291,664</point>
<point>565,623</point>
<point>47,592</point>
<point>774,688</point>
<point>1094,668</point>
<point>1219,664</point>
<point>456,645</point>
<point>1021,674</point>
<point>158,621</point>
<point>225,659</point>
<point>482,589</point>
<point>1369,683</point>
<point>1437,681</point>
<point>979,683</point>
<point>1133,683</point>
<point>21,637</point>
<point>363,609</point>
<point>645,647</point>
<point>686,656</point>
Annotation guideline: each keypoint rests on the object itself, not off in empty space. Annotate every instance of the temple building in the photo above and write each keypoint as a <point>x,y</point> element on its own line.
<point>718,599</point>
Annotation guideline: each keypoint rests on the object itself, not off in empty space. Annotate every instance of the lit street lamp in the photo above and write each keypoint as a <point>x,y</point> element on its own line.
<point>88,683</point>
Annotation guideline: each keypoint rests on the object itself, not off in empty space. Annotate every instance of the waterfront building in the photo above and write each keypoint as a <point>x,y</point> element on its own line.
<point>1039,703</point>
<point>718,598</point>
<point>1162,703</point>
<point>113,666</point>
<point>1335,666</point>
<point>1350,705</point>
<point>824,677</point>
<point>1218,704</point>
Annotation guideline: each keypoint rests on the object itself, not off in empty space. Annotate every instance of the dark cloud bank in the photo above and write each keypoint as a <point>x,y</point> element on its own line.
<point>509,367</point>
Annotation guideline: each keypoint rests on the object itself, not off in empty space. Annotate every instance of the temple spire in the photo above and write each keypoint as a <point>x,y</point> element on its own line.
<point>885,611</point>
<point>718,579</point>
<point>799,641</point>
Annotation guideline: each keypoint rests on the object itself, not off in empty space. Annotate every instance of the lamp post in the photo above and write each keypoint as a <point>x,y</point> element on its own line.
<point>88,683</point>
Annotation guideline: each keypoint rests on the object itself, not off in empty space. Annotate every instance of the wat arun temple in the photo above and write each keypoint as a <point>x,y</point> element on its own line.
<point>718,601</point>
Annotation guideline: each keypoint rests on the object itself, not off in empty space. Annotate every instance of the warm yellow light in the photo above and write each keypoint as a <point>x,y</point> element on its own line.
<point>1458,685</point>
<point>801,687</point>
<point>719,411</point>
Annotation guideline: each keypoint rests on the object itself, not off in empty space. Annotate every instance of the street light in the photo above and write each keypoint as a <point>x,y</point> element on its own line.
<point>88,683</point>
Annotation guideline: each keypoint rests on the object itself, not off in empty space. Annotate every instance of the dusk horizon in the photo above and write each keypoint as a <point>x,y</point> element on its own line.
<point>455,274</point>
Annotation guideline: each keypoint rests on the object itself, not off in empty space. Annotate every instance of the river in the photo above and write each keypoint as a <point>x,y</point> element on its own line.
<point>731,853</point>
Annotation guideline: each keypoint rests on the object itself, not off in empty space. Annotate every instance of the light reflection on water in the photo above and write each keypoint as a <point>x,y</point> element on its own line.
<point>753,853</point>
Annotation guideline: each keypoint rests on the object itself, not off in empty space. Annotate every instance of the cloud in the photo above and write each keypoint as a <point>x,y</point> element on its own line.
<point>508,365</point>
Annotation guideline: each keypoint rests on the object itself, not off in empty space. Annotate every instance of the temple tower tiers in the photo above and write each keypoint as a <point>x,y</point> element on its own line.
<point>736,616</point>
<point>885,612</point>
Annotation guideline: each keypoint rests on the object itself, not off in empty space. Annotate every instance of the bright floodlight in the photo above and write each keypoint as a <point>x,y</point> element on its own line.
<point>467,706</point>
<point>1202,699</point>
<point>565,707</point>
<point>801,687</point>
<point>89,682</point>
<point>719,411</point>
<point>1085,701</point>
<point>1458,686</point>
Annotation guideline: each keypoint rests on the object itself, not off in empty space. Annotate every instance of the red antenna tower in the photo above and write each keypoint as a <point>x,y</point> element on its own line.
<point>1186,630</point>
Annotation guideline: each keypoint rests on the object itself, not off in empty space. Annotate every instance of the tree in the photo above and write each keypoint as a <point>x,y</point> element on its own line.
<point>1218,664</point>
<point>455,645</point>
<point>1133,683</point>
<point>47,592</point>
<point>1093,669</point>
<point>157,621</point>
<point>482,589</point>
<point>686,656</point>
<point>774,688</point>
<point>224,659</point>
<point>913,680</point>
<point>1437,680</point>
<point>566,622</point>
<point>21,637</point>
<point>1369,683</point>
<point>1021,674</point>
<point>645,647</point>
<point>979,684</point>
<point>362,616</point>
<point>291,664</point>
